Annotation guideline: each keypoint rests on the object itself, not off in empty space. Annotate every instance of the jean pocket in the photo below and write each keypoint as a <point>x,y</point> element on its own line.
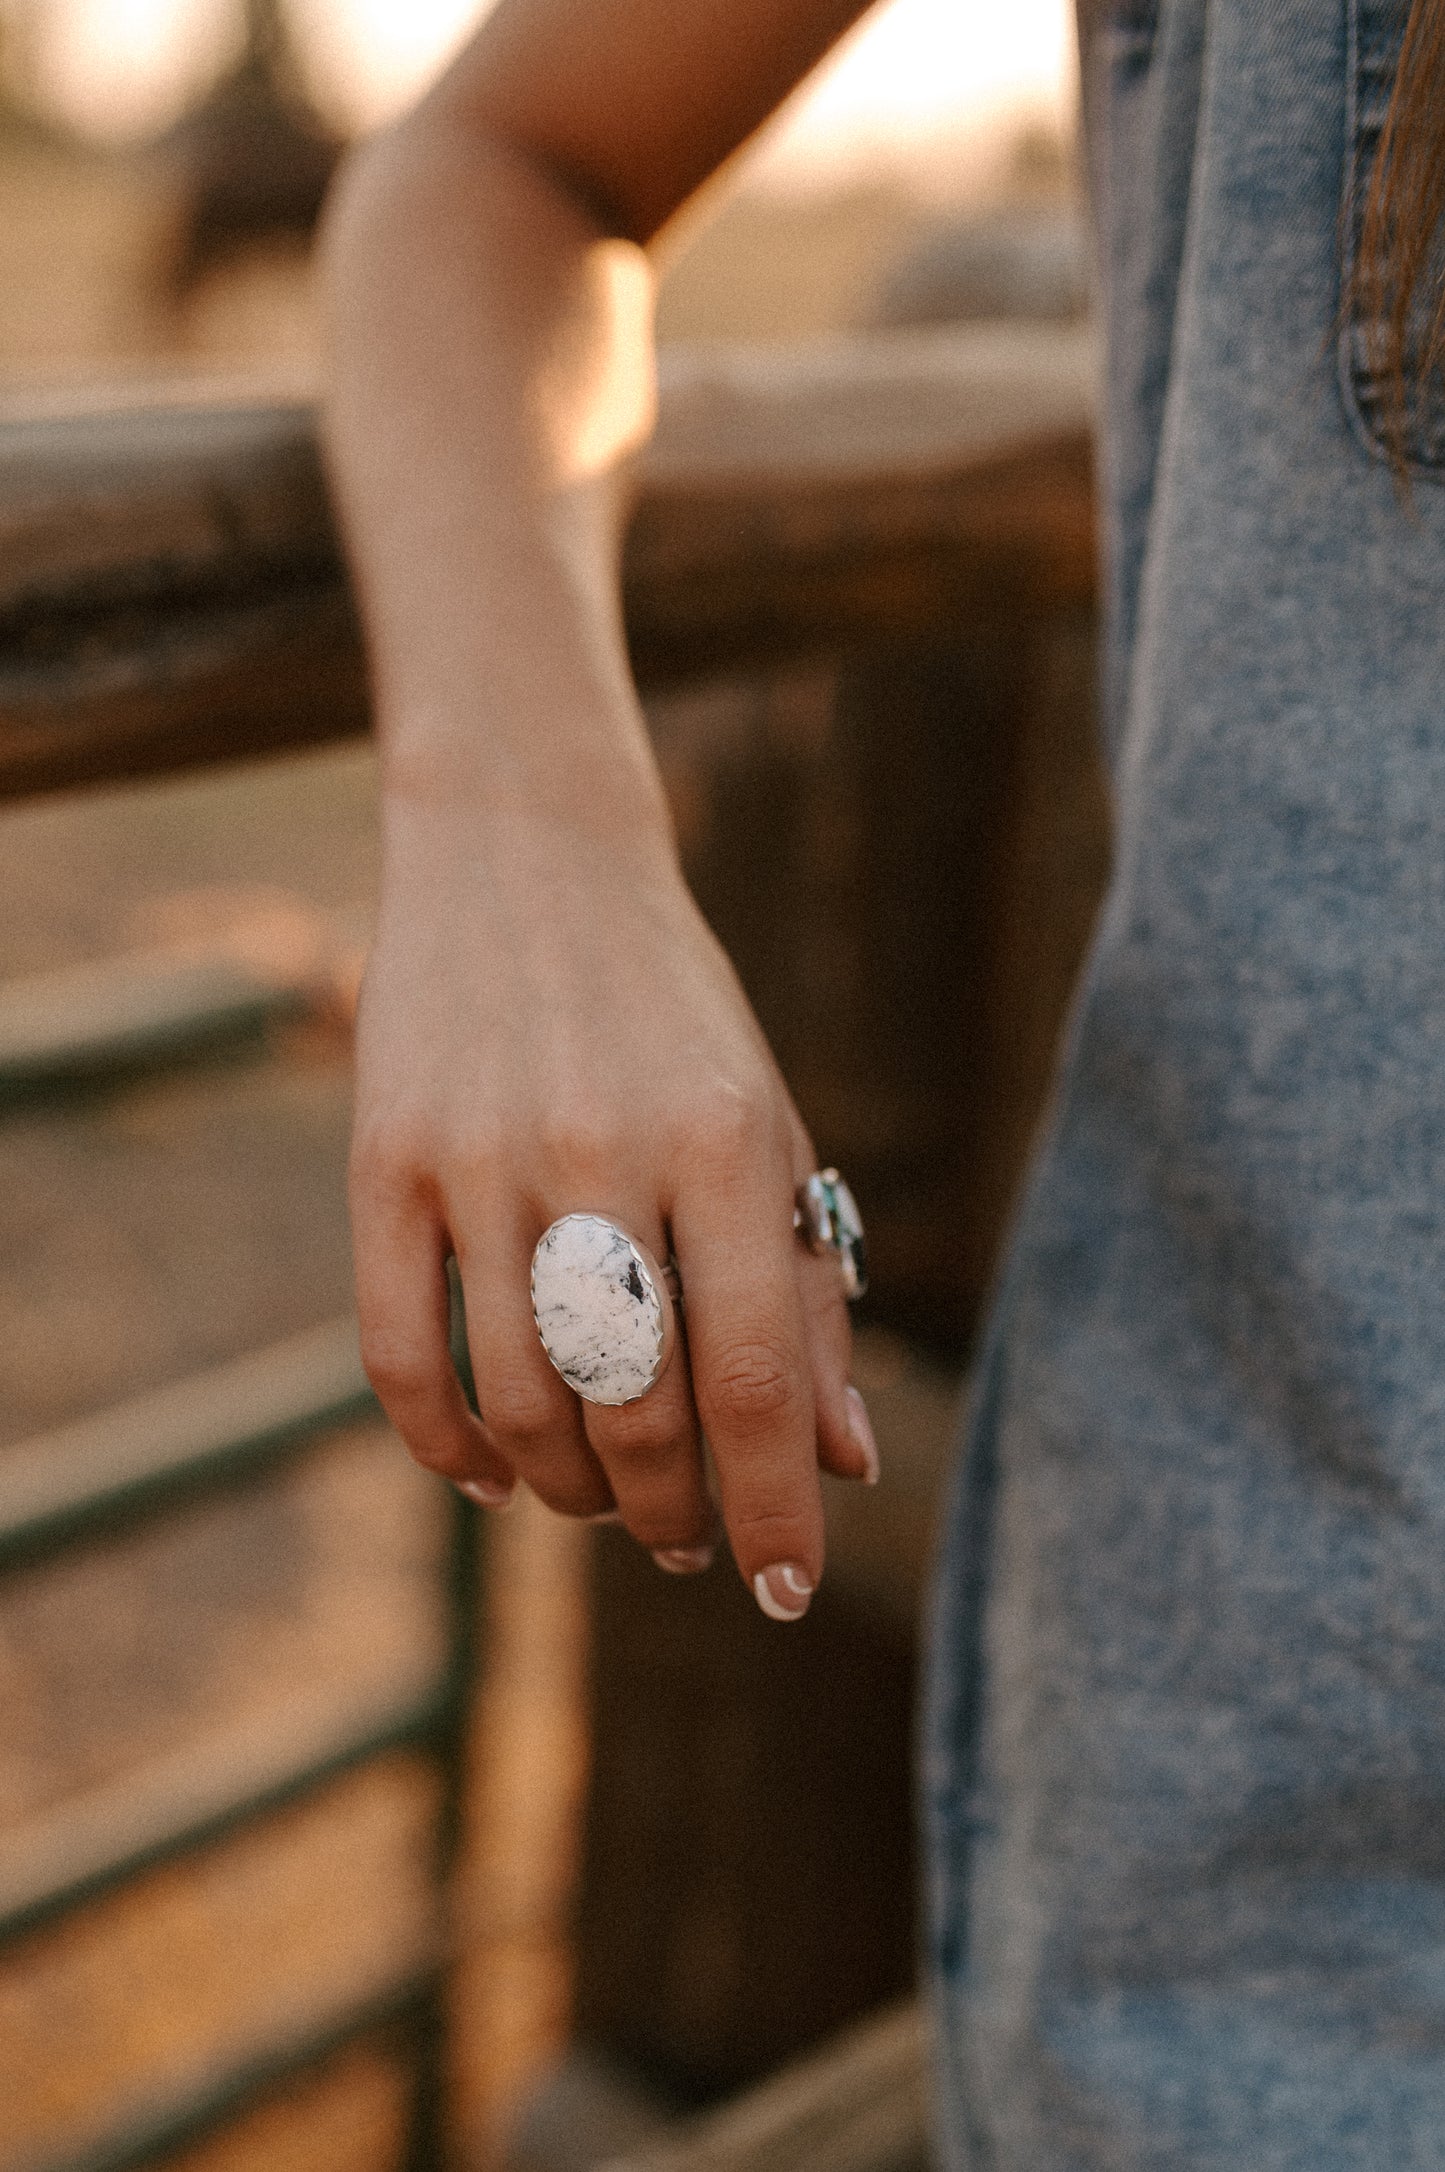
<point>1376,32</point>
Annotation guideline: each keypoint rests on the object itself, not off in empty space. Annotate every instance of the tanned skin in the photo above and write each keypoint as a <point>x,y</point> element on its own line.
<point>546,1023</point>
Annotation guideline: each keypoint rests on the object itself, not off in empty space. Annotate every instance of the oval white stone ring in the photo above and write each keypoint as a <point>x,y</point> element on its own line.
<point>604,1308</point>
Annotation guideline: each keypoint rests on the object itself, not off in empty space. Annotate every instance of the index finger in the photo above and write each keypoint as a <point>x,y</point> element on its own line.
<point>752,1374</point>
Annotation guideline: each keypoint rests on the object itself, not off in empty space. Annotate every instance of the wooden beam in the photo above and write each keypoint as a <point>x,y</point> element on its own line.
<point>858,2105</point>
<point>172,594</point>
<point>137,1010</point>
<point>83,1476</point>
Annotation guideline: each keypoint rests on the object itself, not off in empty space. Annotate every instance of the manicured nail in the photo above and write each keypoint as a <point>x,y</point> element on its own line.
<point>609,1515</point>
<point>782,1591</point>
<point>861,1433</point>
<point>486,1493</point>
<point>684,1560</point>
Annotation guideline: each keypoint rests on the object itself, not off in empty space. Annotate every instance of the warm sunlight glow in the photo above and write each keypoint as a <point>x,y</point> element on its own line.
<point>915,69</point>
<point>117,68</point>
<point>912,67</point>
<point>372,57</point>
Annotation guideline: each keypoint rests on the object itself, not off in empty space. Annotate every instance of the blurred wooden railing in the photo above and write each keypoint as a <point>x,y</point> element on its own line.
<point>171,591</point>
<point>912,512</point>
<point>858,2105</point>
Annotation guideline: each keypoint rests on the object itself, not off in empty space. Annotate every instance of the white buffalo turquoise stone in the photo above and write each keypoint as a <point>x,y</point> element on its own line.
<point>599,1312</point>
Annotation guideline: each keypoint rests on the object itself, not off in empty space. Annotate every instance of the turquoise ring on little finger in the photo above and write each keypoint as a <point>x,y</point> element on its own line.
<point>826,1217</point>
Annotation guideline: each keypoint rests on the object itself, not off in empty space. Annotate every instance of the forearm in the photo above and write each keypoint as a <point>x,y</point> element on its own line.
<point>546,1021</point>
<point>491,373</point>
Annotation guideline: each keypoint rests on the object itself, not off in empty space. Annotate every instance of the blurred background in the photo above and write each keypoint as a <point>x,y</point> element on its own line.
<point>340,1834</point>
<point>162,161</point>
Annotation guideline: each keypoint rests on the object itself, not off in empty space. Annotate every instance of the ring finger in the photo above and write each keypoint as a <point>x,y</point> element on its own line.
<point>651,1448</point>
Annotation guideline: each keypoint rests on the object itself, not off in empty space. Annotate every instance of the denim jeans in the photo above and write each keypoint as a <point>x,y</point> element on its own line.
<point>1185,1741</point>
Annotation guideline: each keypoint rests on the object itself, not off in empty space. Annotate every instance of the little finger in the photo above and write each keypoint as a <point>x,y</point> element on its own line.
<point>846,1446</point>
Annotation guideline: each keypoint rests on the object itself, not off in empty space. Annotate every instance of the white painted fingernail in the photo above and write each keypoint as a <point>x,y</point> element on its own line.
<point>684,1560</point>
<point>782,1591</point>
<point>861,1433</point>
<point>486,1493</point>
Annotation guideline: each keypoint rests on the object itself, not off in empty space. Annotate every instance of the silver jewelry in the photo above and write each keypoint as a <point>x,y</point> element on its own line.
<point>826,1217</point>
<point>605,1310</point>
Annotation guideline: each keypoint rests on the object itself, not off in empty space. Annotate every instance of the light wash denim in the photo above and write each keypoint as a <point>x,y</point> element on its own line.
<point>1185,1763</point>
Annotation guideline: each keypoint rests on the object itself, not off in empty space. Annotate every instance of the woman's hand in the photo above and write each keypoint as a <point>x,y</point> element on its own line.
<point>547,1026</point>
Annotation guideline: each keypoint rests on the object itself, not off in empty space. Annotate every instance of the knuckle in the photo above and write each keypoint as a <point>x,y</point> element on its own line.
<point>725,1126</point>
<point>754,1385</point>
<point>773,1532</point>
<point>579,1494</point>
<point>430,1457</point>
<point>386,1160</point>
<point>401,1375</point>
<point>643,1436</point>
<point>517,1405</point>
<point>408,1390</point>
<point>478,1152</point>
<point>578,1136</point>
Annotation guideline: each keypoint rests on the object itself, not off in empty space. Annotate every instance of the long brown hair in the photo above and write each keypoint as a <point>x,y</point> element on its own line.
<point>1398,286</point>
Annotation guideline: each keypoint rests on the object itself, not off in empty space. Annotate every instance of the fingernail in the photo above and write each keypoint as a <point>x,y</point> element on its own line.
<point>609,1515</point>
<point>684,1560</point>
<point>862,1435</point>
<point>782,1591</point>
<point>486,1493</point>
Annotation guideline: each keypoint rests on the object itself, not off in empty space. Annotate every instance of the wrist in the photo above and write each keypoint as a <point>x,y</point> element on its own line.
<point>562,773</point>
<point>615,824</point>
